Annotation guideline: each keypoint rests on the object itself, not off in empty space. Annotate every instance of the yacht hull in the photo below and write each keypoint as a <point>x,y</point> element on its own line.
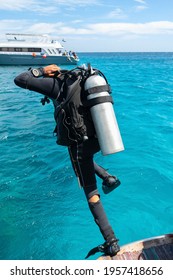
<point>20,59</point>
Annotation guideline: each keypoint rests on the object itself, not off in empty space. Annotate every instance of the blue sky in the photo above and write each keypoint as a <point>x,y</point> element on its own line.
<point>94,25</point>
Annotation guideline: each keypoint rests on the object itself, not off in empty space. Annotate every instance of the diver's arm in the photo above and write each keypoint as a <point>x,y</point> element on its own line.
<point>46,85</point>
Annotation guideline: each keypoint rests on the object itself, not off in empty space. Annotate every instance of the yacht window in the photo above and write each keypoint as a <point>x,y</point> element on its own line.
<point>11,49</point>
<point>18,49</point>
<point>4,49</point>
<point>59,51</point>
<point>34,49</point>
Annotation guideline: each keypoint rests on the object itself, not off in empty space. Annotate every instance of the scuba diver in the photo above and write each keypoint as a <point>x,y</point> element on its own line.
<point>50,82</point>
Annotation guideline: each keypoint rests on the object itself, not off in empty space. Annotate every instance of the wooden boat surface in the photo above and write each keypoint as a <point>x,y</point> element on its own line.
<point>156,248</point>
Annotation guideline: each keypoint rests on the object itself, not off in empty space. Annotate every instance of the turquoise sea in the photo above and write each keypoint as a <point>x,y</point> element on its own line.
<point>43,212</point>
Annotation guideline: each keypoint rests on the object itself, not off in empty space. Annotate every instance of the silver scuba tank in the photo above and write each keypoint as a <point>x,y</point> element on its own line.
<point>103,115</point>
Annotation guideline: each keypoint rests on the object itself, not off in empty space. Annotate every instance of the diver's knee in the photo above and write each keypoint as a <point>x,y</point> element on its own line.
<point>95,198</point>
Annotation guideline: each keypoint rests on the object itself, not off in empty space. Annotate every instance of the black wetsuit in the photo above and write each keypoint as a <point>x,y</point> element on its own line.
<point>81,155</point>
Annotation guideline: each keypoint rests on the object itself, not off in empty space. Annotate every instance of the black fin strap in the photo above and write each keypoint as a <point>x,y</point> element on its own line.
<point>101,248</point>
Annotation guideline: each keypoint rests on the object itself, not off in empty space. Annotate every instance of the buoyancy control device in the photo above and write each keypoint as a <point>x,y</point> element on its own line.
<point>73,120</point>
<point>86,110</point>
<point>102,112</point>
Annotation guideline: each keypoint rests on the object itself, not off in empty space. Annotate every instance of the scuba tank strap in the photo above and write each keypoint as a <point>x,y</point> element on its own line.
<point>98,89</point>
<point>98,100</point>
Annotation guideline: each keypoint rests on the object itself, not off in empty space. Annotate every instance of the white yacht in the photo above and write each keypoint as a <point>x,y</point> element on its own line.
<point>32,49</point>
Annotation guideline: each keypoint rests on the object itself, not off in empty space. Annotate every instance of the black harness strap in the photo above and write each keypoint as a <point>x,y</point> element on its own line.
<point>98,89</point>
<point>98,100</point>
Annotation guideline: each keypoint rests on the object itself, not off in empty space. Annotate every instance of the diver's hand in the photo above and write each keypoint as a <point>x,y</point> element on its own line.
<point>50,70</point>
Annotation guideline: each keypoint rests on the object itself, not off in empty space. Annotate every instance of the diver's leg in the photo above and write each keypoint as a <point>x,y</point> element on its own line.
<point>110,247</point>
<point>82,158</point>
<point>97,210</point>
